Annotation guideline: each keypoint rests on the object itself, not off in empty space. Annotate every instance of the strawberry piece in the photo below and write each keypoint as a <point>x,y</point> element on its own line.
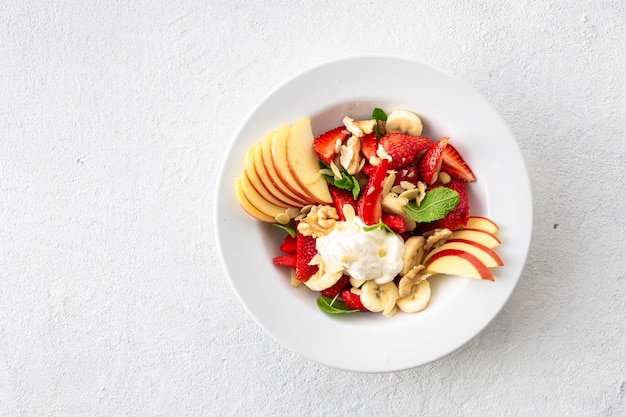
<point>458,217</point>
<point>430,164</point>
<point>326,143</point>
<point>352,301</point>
<point>409,174</point>
<point>368,169</point>
<point>369,145</point>
<point>288,260</point>
<point>403,148</point>
<point>306,250</point>
<point>336,289</point>
<point>455,166</point>
<point>369,207</point>
<point>394,222</point>
<point>289,245</point>
<point>341,197</point>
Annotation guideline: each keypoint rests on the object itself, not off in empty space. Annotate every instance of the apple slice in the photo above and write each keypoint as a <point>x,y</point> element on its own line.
<point>279,158</point>
<point>487,256</point>
<point>249,171</point>
<point>267,181</point>
<point>458,262</point>
<point>476,235</point>
<point>249,208</point>
<point>304,162</point>
<point>266,154</point>
<point>256,200</point>
<point>482,223</point>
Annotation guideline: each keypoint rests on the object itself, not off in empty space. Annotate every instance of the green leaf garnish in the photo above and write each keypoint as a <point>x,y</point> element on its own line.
<point>380,116</point>
<point>333,306</point>
<point>347,181</point>
<point>436,204</point>
<point>380,226</point>
<point>289,227</point>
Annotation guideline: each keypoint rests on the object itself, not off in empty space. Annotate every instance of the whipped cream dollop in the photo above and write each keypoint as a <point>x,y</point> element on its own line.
<point>364,255</point>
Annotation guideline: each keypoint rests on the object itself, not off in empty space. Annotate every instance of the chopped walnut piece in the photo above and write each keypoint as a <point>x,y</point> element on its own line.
<point>320,221</point>
<point>352,127</point>
<point>437,238</point>
<point>415,275</point>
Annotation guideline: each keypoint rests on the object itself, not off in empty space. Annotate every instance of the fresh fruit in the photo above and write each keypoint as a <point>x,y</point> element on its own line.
<point>430,163</point>
<point>290,189</point>
<point>457,262</point>
<point>250,172</point>
<point>305,252</point>
<point>258,201</point>
<point>325,145</point>
<point>289,245</point>
<point>369,207</point>
<point>487,256</point>
<point>288,260</point>
<point>479,236</point>
<point>352,300</point>
<point>417,300</point>
<point>304,162</point>
<point>482,223</point>
<point>404,121</point>
<point>278,150</point>
<point>336,289</point>
<point>379,297</point>
<point>274,188</point>
<point>403,148</point>
<point>453,164</point>
<point>409,174</point>
<point>369,145</point>
<point>323,280</point>
<point>394,222</point>
<point>249,208</point>
<point>340,198</point>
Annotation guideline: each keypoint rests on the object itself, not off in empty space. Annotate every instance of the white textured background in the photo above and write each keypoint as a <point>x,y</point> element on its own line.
<point>114,118</point>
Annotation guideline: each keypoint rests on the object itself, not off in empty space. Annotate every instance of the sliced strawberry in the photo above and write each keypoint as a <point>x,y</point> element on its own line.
<point>368,169</point>
<point>394,222</point>
<point>430,164</point>
<point>369,207</point>
<point>336,289</point>
<point>458,217</point>
<point>288,260</point>
<point>403,148</point>
<point>409,174</point>
<point>306,252</point>
<point>341,197</point>
<point>289,245</point>
<point>352,300</point>
<point>325,145</point>
<point>455,166</point>
<point>369,145</point>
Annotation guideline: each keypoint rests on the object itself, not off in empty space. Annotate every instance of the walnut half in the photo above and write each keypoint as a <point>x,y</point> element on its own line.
<point>320,221</point>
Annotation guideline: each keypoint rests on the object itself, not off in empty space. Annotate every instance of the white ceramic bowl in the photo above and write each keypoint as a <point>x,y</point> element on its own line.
<point>460,307</point>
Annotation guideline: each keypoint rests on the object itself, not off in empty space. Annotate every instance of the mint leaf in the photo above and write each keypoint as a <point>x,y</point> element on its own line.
<point>380,116</point>
<point>436,204</point>
<point>333,306</point>
<point>289,227</point>
<point>382,226</point>
<point>347,181</point>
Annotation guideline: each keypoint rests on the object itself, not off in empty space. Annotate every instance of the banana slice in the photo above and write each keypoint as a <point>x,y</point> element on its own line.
<point>404,121</point>
<point>325,277</point>
<point>380,297</point>
<point>417,300</point>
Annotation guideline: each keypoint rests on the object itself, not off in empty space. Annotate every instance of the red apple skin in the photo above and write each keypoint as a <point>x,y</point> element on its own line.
<point>484,238</point>
<point>484,223</point>
<point>497,261</point>
<point>456,255</point>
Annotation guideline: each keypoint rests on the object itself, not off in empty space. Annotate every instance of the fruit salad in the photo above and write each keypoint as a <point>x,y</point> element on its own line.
<point>371,210</point>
